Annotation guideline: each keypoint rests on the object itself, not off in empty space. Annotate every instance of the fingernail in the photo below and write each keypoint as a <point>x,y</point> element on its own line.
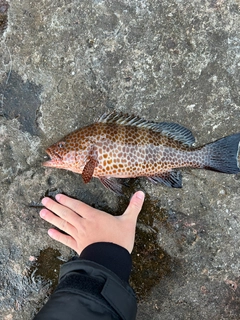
<point>57,197</point>
<point>50,232</point>
<point>44,201</point>
<point>140,195</point>
<point>42,213</point>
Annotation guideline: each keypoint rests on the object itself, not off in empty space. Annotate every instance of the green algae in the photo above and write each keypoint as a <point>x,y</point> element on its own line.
<point>150,262</point>
<point>47,266</point>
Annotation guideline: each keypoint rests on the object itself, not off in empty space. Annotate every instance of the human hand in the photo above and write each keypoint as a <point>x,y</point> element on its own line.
<point>85,225</point>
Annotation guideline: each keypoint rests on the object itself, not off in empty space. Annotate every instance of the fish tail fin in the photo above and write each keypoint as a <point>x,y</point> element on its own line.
<point>223,154</point>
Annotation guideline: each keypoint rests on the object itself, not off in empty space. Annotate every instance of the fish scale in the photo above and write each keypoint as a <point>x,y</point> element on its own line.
<point>125,146</point>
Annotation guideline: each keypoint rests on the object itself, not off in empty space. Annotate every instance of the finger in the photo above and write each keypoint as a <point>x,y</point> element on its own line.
<point>63,238</point>
<point>78,206</point>
<point>135,205</point>
<point>57,222</point>
<point>62,211</point>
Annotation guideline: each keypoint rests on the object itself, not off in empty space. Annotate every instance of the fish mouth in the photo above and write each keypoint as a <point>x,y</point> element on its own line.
<point>54,158</point>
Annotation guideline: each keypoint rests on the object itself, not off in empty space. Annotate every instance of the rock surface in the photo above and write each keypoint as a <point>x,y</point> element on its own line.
<point>64,63</point>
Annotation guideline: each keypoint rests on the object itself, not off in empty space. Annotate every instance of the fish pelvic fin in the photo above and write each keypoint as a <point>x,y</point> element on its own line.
<point>170,129</point>
<point>223,154</point>
<point>171,179</point>
<point>112,184</point>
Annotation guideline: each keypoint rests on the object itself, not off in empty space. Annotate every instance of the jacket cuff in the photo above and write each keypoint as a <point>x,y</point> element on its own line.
<point>111,256</point>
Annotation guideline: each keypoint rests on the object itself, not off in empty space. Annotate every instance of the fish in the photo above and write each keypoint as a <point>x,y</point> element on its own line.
<point>119,146</point>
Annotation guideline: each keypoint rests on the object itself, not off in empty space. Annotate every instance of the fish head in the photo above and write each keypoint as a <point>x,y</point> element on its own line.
<point>69,153</point>
<point>57,154</point>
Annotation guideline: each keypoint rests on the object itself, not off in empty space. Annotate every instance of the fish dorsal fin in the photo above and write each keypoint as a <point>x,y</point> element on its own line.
<point>124,119</point>
<point>172,130</point>
<point>176,132</point>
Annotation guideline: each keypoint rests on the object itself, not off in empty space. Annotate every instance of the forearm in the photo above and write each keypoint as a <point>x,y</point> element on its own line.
<point>94,286</point>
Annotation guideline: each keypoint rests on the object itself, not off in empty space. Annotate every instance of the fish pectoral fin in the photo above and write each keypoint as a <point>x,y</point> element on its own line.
<point>171,179</point>
<point>112,184</point>
<point>88,169</point>
<point>91,164</point>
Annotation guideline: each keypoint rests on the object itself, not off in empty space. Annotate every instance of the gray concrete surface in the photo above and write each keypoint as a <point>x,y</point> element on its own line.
<point>62,64</point>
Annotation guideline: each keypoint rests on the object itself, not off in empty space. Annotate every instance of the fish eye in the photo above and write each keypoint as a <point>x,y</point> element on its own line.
<point>61,144</point>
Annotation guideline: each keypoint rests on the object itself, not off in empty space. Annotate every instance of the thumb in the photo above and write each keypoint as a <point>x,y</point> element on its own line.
<point>135,205</point>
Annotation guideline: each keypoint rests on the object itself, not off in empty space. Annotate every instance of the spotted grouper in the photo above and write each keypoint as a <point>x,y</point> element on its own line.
<point>125,146</point>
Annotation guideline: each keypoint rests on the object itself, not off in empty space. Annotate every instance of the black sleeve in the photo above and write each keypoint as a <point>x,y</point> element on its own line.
<point>93,286</point>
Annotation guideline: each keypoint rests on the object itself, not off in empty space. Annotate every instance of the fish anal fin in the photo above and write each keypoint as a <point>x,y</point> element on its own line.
<point>112,184</point>
<point>170,129</point>
<point>171,179</point>
<point>91,164</point>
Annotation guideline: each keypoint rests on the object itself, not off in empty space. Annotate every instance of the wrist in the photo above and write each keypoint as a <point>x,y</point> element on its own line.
<point>111,256</point>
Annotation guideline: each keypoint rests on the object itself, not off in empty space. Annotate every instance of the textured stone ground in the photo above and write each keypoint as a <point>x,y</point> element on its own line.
<point>62,64</point>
